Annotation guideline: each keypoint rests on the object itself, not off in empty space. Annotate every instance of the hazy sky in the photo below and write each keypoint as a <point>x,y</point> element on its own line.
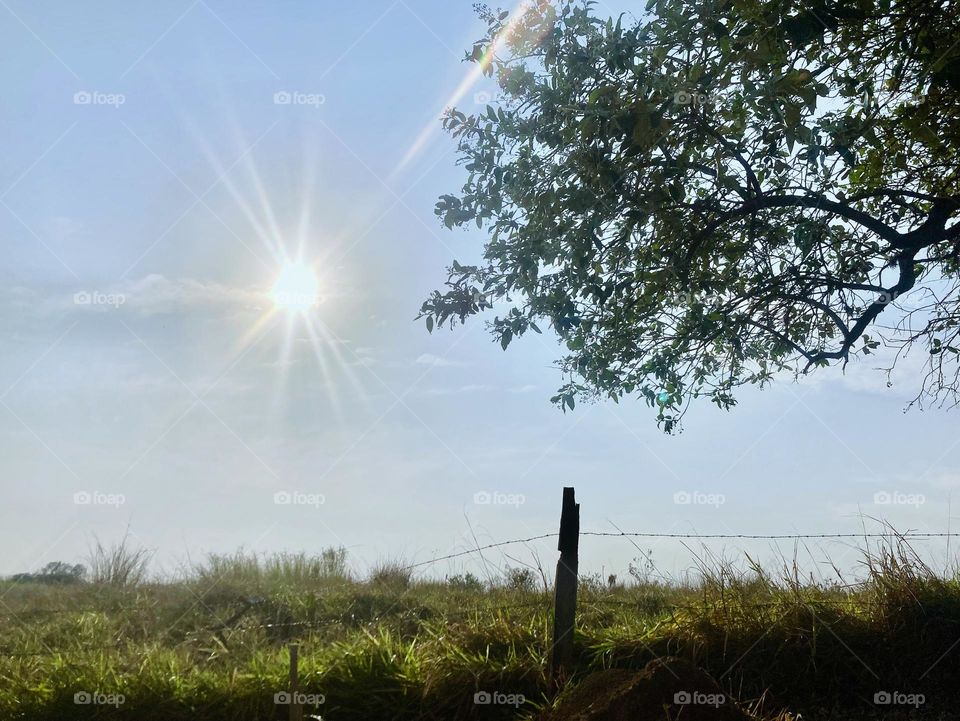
<point>162,158</point>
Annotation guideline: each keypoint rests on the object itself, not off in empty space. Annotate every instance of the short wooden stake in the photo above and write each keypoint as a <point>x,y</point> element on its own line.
<point>296,710</point>
<point>565,600</point>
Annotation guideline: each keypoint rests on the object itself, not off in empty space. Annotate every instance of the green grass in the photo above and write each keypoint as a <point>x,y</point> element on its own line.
<point>213,644</point>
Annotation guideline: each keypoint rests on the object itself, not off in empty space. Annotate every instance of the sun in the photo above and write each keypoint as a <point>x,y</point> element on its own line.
<point>296,288</point>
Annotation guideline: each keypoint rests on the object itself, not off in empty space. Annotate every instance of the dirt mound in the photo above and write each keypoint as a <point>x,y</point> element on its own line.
<point>668,689</point>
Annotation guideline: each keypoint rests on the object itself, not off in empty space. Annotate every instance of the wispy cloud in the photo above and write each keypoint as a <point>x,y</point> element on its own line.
<point>456,390</point>
<point>156,294</point>
<point>523,389</point>
<point>428,359</point>
<point>150,295</point>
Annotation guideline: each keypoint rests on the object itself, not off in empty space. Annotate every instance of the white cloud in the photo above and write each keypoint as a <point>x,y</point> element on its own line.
<point>945,480</point>
<point>156,294</point>
<point>428,359</point>
<point>523,389</point>
<point>456,390</point>
<point>151,295</point>
<point>868,374</point>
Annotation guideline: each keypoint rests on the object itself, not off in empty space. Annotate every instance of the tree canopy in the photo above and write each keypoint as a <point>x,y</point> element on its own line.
<point>717,193</point>
<point>55,572</point>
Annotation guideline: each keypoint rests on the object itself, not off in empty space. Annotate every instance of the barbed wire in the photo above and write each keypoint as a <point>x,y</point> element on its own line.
<point>691,536</point>
<point>478,549</point>
<point>542,603</point>
<point>772,537</point>
<point>631,534</point>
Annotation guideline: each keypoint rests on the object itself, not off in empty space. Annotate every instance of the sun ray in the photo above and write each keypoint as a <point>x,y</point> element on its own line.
<point>254,331</point>
<point>475,74</point>
<point>263,197</point>
<point>320,338</point>
<point>244,150</point>
<point>284,361</point>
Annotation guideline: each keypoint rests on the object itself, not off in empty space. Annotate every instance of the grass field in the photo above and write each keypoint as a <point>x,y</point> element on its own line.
<point>213,644</point>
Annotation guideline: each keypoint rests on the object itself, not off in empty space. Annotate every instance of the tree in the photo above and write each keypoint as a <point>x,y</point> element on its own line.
<point>55,572</point>
<point>734,189</point>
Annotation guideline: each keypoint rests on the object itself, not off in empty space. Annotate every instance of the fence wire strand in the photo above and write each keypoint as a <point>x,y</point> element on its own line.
<point>542,603</point>
<point>692,536</point>
<point>771,537</point>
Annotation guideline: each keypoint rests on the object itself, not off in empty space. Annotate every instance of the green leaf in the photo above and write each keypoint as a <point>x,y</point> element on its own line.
<point>803,28</point>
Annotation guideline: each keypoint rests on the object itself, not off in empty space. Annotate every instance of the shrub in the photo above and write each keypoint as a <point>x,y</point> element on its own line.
<point>55,572</point>
<point>521,579</point>
<point>465,582</point>
<point>393,575</point>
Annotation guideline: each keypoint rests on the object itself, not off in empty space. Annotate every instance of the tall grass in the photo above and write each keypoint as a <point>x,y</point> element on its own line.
<point>119,564</point>
<point>392,574</point>
<point>283,568</point>
<point>390,646</point>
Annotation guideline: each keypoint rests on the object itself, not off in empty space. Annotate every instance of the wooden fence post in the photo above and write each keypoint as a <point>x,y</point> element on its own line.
<point>296,710</point>
<point>565,600</point>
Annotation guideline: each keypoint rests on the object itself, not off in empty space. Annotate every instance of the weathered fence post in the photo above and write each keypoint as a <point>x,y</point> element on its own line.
<point>565,600</point>
<point>296,710</point>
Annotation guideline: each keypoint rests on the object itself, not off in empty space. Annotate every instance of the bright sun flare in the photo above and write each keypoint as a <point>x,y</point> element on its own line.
<point>296,289</point>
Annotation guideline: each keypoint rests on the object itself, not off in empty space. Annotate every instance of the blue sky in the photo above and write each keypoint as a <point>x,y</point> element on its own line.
<point>150,164</point>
